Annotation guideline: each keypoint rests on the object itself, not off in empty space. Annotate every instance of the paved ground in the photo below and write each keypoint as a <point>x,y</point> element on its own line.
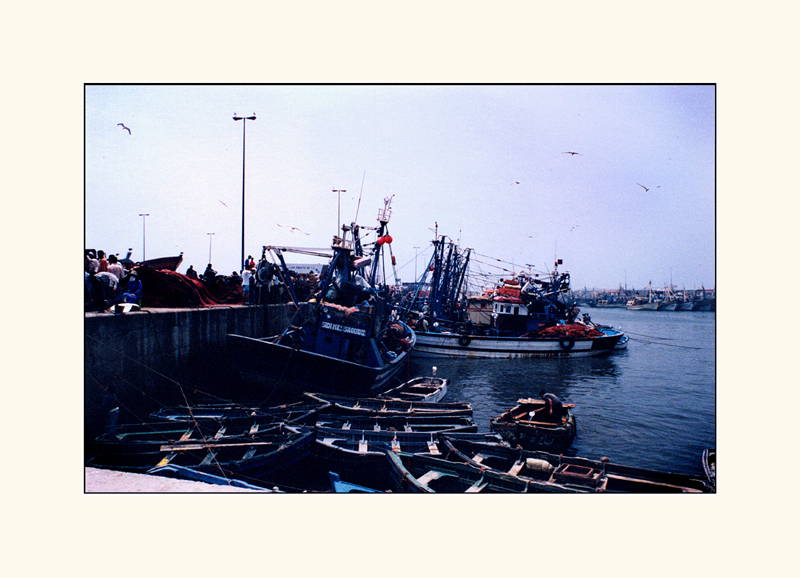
<point>100,480</point>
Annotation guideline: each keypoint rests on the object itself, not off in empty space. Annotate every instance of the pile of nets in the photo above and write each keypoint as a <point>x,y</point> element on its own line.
<point>172,289</point>
<point>574,330</point>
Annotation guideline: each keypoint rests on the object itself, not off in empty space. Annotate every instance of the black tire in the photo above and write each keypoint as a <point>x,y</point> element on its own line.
<point>264,274</point>
<point>567,343</point>
<point>464,340</point>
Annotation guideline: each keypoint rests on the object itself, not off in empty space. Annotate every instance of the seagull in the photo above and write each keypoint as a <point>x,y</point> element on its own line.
<point>515,183</point>
<point>574,227</point>
<point>572,153</point>
<point>226,206</point>
<point>125,127</point>
<point>647,189</point>
<point>292,228</point>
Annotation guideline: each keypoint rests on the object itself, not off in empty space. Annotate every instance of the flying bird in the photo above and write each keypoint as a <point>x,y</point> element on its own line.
<point>647,189</point>
<point>293,229</point>
<point>226,206</point>
<point>572,153</point>
<point>515,183</point>
<point>125,127</point>
<point>574,227</point>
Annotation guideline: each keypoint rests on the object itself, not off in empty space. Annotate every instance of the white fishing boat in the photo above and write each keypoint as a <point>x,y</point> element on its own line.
<point>530,317</point>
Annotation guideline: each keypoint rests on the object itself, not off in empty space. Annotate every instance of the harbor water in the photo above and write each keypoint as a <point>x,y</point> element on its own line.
<point>652,405</point>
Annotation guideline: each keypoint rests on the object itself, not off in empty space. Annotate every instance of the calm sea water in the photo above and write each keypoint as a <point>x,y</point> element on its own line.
<point>652,405</point>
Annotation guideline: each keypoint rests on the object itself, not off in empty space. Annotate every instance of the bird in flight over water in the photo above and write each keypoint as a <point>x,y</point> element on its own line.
<point>292,228</point>
<point>226,206</point>
<point>125,127</point>
<point>572,153</point>
<point>646,188</point>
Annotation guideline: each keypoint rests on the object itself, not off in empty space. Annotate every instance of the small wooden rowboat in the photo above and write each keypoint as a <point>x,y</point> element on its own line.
<point>359,454</point>
<point>293,413</point>
<point>433,423</point>
<point>529,426</point>
<point>386,406</point>
<point>572,473</point>
<point>251,460</point>
<point>710,466</point>
<point>428,389</point>
<point>417,473</point>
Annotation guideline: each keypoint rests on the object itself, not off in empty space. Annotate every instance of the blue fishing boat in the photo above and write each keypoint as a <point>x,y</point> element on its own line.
<point>344,338</point>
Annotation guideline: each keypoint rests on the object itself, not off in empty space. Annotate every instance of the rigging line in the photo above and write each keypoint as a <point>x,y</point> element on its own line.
<point>129,410</point>
<point>148,368</point>
<point>664,344</point>
<point>650,336</point>
<point>180,387</point>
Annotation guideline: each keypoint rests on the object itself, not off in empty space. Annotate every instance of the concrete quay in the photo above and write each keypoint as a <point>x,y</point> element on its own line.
<point>152,357</point>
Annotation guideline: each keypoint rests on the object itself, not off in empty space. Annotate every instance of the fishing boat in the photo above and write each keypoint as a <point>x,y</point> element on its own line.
<point>607,329</point>
<point>530,317</point>
<point>164,263</point>
<point>419,473</point>
<point>430,389</point>
<point>247,459</point>
<point>371,406</point>
<point>572,473</point>
<point>529,425</point>
<point>343,338</point>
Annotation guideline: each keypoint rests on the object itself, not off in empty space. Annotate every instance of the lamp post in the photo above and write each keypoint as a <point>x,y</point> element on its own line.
<point>209,246</point>
<point>144,218</point>
<point>244,120</point>
<point>339,210</point>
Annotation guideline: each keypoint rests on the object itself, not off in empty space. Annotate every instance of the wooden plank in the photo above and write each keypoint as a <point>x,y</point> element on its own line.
<point>430,476</point>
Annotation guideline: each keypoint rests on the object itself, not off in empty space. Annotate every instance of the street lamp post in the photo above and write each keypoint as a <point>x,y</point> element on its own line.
<point>339,210</point>
<point>209,246</point>
<point>144,217</point>
<point>244,120</point>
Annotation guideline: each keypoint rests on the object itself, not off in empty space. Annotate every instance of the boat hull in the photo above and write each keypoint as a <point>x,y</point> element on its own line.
<point>455,345</point>
<point>263,363</point>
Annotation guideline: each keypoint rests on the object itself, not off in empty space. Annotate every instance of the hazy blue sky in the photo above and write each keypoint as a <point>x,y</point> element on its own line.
<point>449,154</point>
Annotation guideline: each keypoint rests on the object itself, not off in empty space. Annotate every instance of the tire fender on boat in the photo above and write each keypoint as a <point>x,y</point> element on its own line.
<point>567,343</point>
<point>464,340</point>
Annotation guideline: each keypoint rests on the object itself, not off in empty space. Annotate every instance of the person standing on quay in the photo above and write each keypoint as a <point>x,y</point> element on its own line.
<point>114,267</point>
<point>102,262</point>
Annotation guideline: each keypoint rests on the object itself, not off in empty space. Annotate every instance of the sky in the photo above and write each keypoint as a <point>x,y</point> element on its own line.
<point>487,164</point>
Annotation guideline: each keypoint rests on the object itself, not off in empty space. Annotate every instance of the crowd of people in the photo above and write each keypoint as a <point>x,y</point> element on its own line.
<point>107,282</point>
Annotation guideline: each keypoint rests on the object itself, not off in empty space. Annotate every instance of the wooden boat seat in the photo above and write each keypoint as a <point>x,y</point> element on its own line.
<point>517,468</point>
<point>433,475</point>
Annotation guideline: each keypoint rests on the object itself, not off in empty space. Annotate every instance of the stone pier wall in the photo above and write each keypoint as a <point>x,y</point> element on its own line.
<point>152,358</point>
